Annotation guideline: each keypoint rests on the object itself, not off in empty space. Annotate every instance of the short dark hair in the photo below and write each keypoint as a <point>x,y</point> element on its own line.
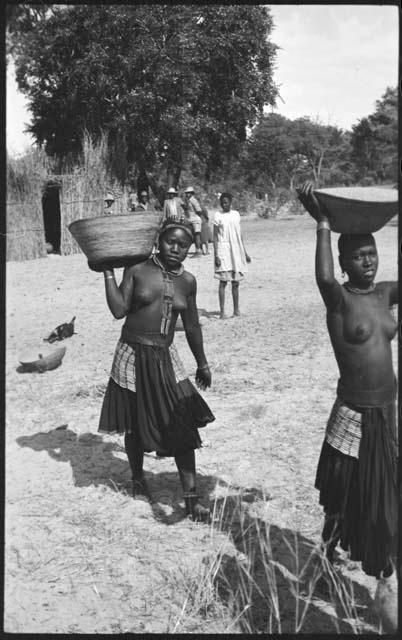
<point>227,195</point>
<point>349,241</point>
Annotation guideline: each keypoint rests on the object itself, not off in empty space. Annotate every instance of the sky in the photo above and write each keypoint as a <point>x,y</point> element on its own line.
<point>334,62</point>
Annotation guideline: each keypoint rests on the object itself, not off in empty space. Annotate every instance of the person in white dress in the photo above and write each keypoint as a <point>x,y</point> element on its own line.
<point>231,257</point>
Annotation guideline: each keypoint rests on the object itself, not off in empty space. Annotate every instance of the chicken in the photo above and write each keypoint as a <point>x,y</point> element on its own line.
<point>64,330</point>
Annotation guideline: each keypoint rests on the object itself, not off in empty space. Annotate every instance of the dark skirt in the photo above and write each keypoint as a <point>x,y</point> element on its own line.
<point>164,414</point>
<point>363,492</point>
<point>206,234</point>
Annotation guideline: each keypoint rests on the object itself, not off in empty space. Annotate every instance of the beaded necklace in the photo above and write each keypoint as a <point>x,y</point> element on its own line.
<point>363,292</point>
<point>168,293</point>
<point>169,271</point>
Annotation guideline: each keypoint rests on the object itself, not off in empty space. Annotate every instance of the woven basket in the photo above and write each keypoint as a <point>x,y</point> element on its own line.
<point>358,209</point>
<point>117,240</point>
<point>40,362</point>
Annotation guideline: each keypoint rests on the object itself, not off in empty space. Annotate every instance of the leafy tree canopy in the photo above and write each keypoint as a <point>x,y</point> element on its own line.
<point>165,81</point>
<point>20,20</point>
<point>281,150</point>
<point>374,140</point>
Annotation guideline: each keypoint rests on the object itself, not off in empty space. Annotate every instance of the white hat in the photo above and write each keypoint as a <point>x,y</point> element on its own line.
<point>172,190</point>
<point>189,190</point>
<point>108,196</point>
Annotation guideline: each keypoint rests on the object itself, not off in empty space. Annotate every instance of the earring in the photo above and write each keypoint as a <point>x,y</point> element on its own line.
<point>343,274</point>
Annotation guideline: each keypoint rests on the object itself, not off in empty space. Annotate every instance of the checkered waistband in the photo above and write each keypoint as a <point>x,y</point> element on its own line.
<point>344,429</point>
<point>123,365</point>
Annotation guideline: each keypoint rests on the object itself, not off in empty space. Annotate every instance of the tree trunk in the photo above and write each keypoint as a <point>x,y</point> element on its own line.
<point>319,166</point>
<point>142,181</point>
<point>147,180</point>
<point>314,173</point>
<point>207,178</point>
<point>173,174</point>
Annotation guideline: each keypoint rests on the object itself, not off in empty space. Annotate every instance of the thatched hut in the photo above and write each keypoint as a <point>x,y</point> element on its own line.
<point>40,209</point>
<point>24,221</point>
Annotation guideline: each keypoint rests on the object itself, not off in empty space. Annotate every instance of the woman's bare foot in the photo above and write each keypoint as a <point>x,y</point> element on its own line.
<point>194,509</point>
<point>223,316</point>
<point>141,491</point>
<point>236,313</point>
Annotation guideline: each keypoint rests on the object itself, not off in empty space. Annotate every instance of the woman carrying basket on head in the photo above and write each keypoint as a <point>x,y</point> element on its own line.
<point>149,398</point>
<point>357,469</point>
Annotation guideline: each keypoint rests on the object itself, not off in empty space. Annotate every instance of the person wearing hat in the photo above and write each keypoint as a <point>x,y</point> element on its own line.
<point>194,214</point>
<point>143,202</point>
<point>109,199</point>
<point>173,206</point>
<point>149,397</point>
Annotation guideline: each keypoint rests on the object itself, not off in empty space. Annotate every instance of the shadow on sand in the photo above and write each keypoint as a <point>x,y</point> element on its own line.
<point>280,567</point>
<point>94,462</point>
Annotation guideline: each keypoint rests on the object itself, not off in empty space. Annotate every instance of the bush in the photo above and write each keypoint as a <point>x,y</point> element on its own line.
<point>280,201</point>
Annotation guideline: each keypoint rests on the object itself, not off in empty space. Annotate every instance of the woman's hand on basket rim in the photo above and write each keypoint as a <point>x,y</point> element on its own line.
<point>203,377</point>
<point>107,269</point>
<point>305,193</point>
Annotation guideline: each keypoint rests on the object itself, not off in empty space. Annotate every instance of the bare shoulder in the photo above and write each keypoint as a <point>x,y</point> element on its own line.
<point>137,270</point>
<point>189,280</point>
<point>388,289</point>
<point>386,285</point>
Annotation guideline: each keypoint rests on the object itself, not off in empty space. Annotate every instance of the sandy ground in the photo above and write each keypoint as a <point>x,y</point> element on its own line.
<point>82,555</point>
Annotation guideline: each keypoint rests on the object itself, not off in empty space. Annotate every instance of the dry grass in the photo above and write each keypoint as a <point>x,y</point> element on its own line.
<point>83,191</point>
<point>247,584</point>
<point>25,179</point>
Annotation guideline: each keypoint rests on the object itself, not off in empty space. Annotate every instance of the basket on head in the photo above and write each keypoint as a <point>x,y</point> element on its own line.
<point>117,240</point>
<point>358,209</point>
<point>51,360</point>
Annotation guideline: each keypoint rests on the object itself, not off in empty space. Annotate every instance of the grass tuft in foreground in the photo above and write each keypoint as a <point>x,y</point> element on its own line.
<point>261,579</point>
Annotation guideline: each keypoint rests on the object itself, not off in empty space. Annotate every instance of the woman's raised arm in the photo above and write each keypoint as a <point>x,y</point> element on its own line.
<point>324,263</point>
<point>119,298</point>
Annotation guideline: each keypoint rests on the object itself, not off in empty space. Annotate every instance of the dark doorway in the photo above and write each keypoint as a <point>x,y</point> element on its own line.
<point>51,216</point>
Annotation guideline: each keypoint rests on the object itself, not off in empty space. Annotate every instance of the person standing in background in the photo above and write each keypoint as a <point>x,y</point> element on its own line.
<point>173,206</point>
<point>194,215</point>
<point>109,200</point>
<point>231,257</point>
<point>143,202</point>
<point>131,201</point>
<point>206,235</point>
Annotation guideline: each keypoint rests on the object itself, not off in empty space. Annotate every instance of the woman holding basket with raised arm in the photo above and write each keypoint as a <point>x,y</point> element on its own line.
<point>357,469</point>
<point>149,397</point>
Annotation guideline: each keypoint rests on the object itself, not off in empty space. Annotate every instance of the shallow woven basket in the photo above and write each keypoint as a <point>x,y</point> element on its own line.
<point>117,240</point>
<point>41,363</point>
<point>358,209</point>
